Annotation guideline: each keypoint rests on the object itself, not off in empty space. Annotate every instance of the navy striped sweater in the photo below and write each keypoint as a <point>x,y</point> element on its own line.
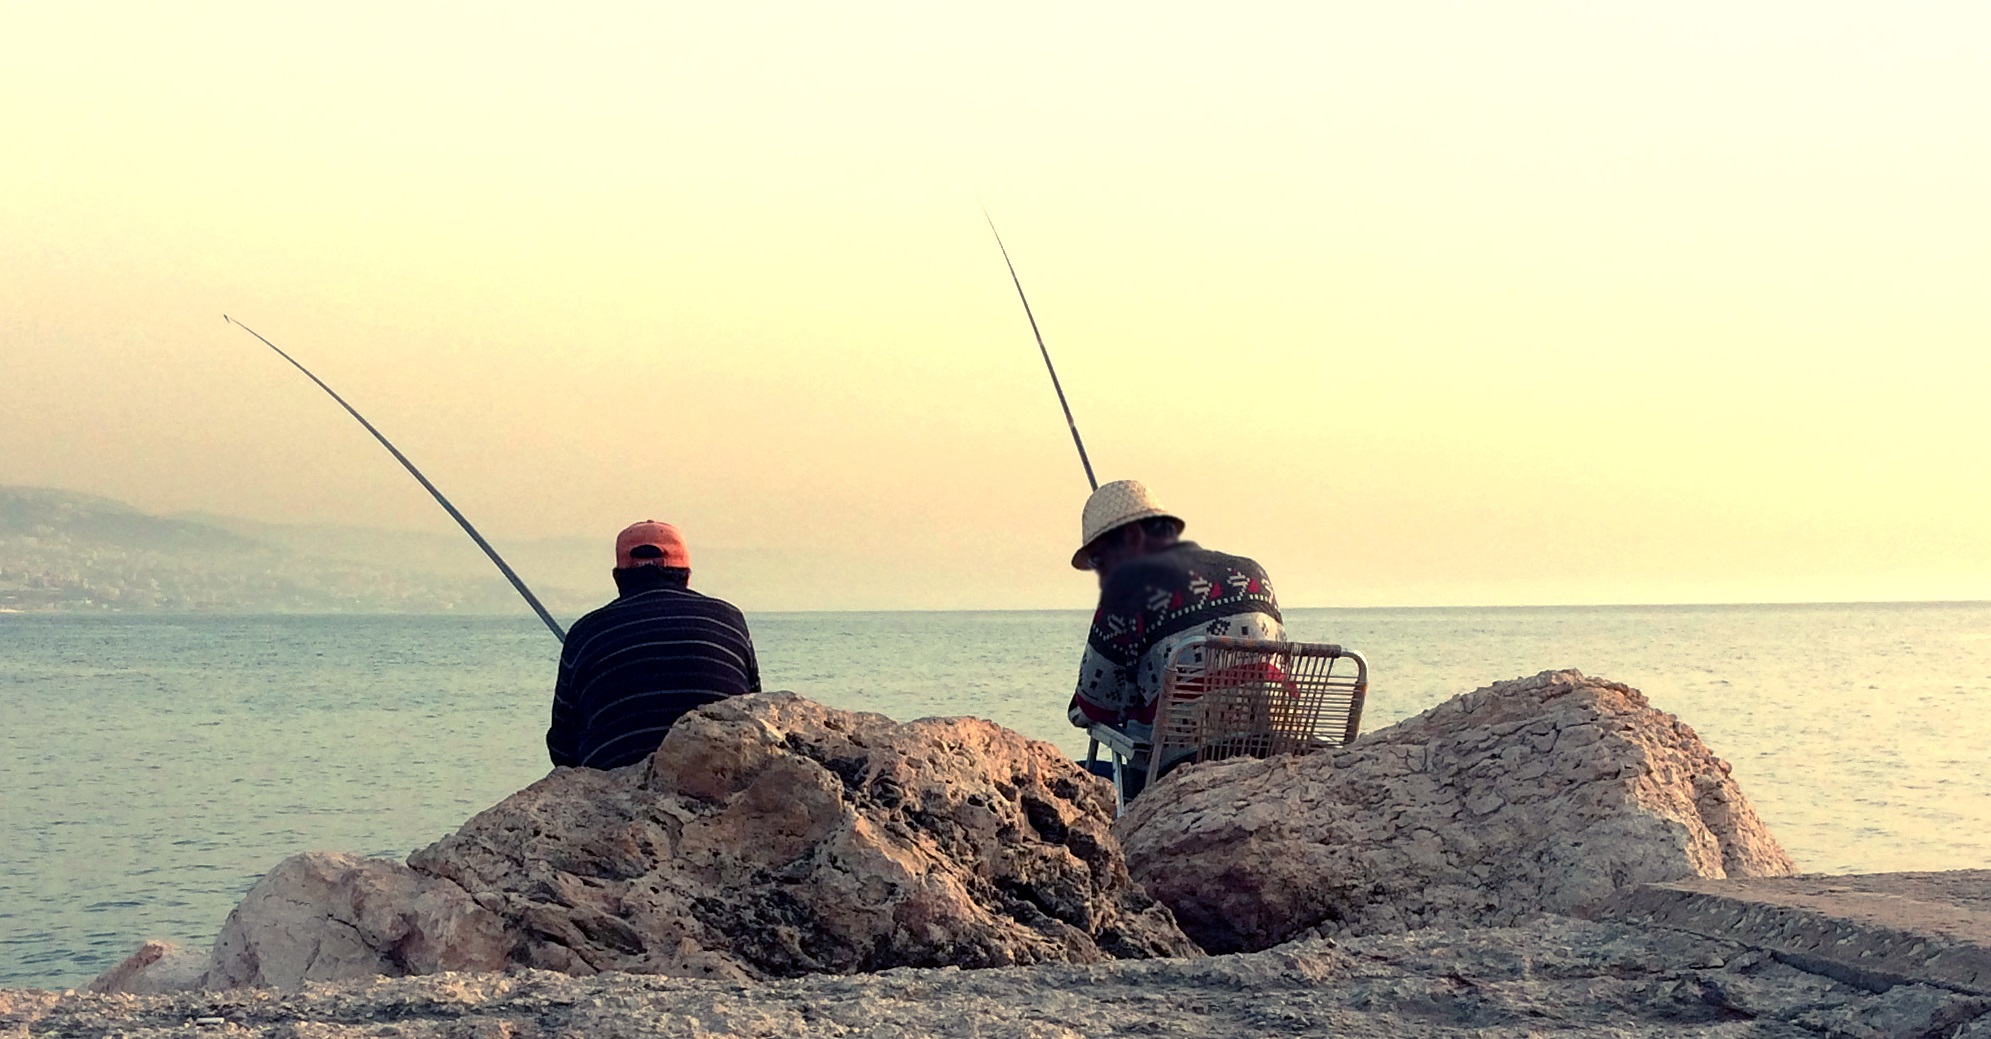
<point>632,668</point>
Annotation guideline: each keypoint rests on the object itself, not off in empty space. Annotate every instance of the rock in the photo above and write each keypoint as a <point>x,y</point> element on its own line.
<point>772,836</point>
<point>323,916</point>
<point>1901,1012</point>
<point>1540,794</point>
<point>1553,977</point>
<point>154,969</point>
<point>1871,929</point>
<point>768,836</point>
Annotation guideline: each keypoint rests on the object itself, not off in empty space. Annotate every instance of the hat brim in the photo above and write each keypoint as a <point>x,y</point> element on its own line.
<point>1080,560</point>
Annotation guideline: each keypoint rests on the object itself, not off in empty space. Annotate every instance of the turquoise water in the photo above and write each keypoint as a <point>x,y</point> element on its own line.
<point>152,767</point>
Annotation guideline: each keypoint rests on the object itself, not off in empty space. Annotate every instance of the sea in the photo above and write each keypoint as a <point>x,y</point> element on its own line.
<point>153,766</point>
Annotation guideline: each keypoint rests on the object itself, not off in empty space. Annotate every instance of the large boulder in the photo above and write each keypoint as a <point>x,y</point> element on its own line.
<point>1539,794</point>
<point>773,836</point>
<point>768,836</point>
<point>323,916</point>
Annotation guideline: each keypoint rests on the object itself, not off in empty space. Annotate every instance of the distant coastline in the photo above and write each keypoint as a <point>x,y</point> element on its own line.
<point>62,552</point>
<point>69,553</point>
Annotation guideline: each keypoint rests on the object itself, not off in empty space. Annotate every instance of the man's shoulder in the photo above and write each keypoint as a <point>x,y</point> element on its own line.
<point>1207,557</point>
<point>684,606</point>
<point>1181,562</point>
<point>720,608</point>
<point>1151,593</point>
<point>660,605</point>
<point>591,619</point>
<point>1193,551</point>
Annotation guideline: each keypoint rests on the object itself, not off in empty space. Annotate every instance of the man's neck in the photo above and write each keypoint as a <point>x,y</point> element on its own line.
<point>636,580</point>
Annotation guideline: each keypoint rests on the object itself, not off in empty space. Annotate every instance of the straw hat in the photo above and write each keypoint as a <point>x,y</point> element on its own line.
<point>1112,506</point>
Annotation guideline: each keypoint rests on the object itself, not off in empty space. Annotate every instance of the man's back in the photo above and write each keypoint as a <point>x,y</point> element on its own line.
<point>633,667</point>
<point>1148,606</point>
<point>1173,590</point>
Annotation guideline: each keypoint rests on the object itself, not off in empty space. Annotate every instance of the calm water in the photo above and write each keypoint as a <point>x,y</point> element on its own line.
<point>152,767</point>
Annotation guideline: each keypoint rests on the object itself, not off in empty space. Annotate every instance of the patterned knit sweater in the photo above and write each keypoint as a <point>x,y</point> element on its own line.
<point>1151,604</point>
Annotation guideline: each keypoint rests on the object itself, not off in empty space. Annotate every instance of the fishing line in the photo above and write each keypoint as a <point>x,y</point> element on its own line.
<point>531,599</point>
<point>1041,348</point>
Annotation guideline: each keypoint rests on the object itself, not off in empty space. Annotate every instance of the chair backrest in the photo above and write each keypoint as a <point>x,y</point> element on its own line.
<point>1227,697</point>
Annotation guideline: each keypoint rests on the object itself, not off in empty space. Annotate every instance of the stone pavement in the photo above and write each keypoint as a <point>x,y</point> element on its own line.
<point>1871,930</point>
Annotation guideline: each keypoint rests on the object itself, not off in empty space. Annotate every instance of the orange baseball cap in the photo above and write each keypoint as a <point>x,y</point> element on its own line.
<point>651,543</point>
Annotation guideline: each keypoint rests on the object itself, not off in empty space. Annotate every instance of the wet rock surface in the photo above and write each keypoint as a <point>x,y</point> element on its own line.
<point>1547,793</point>
<point>1550,976</point>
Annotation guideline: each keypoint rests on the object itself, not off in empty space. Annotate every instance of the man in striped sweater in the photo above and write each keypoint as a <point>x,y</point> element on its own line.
<point>631,669</point>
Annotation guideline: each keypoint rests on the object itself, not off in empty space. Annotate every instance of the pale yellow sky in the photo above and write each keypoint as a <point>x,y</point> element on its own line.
<point>1414,302</point>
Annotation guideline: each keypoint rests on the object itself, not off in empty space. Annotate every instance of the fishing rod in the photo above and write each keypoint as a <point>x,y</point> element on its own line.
<point>531,599</point>
<point>1041,348</point>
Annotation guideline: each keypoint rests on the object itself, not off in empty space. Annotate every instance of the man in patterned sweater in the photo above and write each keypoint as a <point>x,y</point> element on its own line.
<point>1155,592</point>
<point>631,669</point>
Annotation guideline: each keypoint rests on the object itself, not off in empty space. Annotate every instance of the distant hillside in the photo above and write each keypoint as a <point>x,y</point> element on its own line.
<point>65,551</point>
<point>445,551</point>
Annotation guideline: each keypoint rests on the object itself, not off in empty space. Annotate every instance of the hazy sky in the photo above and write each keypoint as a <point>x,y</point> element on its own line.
<point>1414,302</point>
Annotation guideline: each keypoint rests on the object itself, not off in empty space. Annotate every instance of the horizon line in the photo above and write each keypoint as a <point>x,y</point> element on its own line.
<point>243,612</point>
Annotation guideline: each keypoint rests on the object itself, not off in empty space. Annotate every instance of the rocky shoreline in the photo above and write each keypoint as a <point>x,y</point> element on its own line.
<point>1551,975</point>
<point>1544,855</point>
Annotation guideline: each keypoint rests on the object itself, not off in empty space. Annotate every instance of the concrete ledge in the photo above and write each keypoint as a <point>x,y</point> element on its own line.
<point>1873,930</point>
